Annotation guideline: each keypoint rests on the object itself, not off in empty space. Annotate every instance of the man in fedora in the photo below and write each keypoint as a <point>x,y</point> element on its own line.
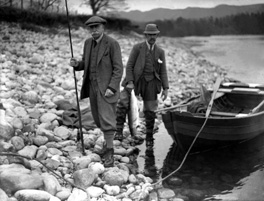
<point>103,70</point>
<point>146,73</point>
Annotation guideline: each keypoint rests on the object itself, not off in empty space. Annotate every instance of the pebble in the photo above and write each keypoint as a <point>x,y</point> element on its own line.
<point>36,78</point>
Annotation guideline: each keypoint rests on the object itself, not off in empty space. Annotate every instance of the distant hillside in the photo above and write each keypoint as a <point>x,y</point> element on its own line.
<point>190,12</point>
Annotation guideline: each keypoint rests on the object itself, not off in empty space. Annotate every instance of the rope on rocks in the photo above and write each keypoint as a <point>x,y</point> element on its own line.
<point>28,158</point>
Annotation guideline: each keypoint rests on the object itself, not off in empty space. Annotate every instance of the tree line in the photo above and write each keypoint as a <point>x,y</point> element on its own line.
<point>52,12</point>
<point>44,5</point>
<point>31,20</point>
<point>96,6</point>
<point>230,25</point>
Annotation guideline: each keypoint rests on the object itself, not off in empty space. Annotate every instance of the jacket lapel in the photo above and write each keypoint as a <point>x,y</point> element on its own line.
<point>143,54</point>
<point>88,52</point>
<point>156,53</point>
<point>101,49</point>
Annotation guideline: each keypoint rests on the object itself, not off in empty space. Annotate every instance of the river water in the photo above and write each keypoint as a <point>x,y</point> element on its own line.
<point>234,173</point>
<point>243,56</point>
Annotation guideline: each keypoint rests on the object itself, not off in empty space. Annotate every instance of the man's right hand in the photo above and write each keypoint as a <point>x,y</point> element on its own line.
<point>74,62</point>
<point>130,86</point>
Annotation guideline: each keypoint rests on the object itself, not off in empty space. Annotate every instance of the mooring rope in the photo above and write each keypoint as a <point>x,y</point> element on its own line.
<point>209,108</point>
<point>186,154</point>
<point>181,164</point>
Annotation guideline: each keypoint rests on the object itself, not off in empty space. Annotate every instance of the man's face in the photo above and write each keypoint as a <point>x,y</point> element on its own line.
<point>151,38</point>
<point>96,30</point>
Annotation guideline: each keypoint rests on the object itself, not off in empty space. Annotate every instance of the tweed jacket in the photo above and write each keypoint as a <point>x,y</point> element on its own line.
<point>136,64</point>
<point>109,69</point>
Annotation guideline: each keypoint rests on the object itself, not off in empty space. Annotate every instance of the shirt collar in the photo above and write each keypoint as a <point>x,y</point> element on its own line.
<point>149,45</point>
<point>100,38</point>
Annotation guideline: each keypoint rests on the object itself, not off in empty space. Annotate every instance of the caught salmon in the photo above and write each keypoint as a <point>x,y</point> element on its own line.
<point>133,114</point>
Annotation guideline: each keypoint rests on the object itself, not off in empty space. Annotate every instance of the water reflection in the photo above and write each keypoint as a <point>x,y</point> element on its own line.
<point>229,173</point>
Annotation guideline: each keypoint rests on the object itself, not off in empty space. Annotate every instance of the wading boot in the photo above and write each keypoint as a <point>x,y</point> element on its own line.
<point>109,157</point>
<point>150,121</point>
<point>101,152</point>
<point>121,114</point>
<point>150,169</point>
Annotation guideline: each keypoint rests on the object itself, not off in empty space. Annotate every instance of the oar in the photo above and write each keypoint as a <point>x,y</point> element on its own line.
<point>210,105</point>
<point>182,104</point>
<point>243,85</point>
<point>256,109</point>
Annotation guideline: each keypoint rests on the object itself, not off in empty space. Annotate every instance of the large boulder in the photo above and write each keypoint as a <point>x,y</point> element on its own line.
<point>29,151</point>
<point>6,130</point>
<point>51,184</point>
<point>3,196</point>
<point>12,180</point>
<point>36,195</point>
<point>78,195</point>
<point>84,178</point>
<point>18,142</point>
<point>31,96</point>
<point>115,176</point>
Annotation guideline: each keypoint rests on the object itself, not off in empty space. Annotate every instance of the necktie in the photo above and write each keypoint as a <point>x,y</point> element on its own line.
<point>151,49</point>
<point>94,43</point>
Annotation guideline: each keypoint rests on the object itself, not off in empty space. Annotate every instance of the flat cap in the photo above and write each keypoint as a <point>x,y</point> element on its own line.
<point>94,20</point>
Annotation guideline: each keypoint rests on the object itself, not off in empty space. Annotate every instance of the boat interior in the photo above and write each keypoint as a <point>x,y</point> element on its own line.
<point>229,102</point>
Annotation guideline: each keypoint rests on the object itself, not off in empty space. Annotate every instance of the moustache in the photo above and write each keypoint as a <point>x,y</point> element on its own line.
<point>95,33</point>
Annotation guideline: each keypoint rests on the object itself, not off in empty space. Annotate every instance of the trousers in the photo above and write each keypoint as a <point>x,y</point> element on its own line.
<point>104,113</point>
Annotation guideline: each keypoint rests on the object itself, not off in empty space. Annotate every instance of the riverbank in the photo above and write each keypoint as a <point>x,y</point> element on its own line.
<point>37,94</point>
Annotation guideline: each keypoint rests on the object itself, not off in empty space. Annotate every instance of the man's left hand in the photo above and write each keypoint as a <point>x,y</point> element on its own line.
<point>109,93</point>
<point>164,94</point>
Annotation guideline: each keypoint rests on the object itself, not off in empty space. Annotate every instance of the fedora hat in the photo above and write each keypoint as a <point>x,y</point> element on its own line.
<point>151,29</point>
<point>94,20</point>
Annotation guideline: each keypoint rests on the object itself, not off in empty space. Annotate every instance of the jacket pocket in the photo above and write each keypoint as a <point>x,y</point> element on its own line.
<point>106,53</point>
<point>158,85</point>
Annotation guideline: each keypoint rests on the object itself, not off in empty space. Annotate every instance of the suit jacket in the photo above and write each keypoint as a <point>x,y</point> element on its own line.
<point>136,64</point>
<point>109,68</point>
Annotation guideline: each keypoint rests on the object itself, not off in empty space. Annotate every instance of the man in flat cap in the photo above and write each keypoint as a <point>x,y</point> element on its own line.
<point>146,73</point>
<point>103,69</point>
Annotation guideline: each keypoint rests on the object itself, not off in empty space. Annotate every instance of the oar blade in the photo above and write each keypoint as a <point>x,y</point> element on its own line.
<point>210,105</point>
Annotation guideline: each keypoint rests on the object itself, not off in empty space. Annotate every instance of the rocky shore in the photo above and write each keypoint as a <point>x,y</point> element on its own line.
<point>40,158</point>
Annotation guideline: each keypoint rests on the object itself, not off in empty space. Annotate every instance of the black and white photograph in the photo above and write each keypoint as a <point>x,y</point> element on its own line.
<point>131,100</point>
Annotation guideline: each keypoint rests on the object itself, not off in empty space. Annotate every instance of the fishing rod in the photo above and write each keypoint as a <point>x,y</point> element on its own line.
<point>80,134</point>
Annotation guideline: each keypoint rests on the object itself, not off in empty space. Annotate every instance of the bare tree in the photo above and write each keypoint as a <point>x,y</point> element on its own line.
<point>105,5</point>
<point>6,2</point>
<point>44,4</point>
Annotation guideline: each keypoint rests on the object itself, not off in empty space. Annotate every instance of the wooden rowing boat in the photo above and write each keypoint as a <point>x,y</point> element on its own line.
<point>237,114</point>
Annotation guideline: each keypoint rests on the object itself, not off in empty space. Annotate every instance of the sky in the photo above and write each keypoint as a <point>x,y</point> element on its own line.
<point>144,5</point>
